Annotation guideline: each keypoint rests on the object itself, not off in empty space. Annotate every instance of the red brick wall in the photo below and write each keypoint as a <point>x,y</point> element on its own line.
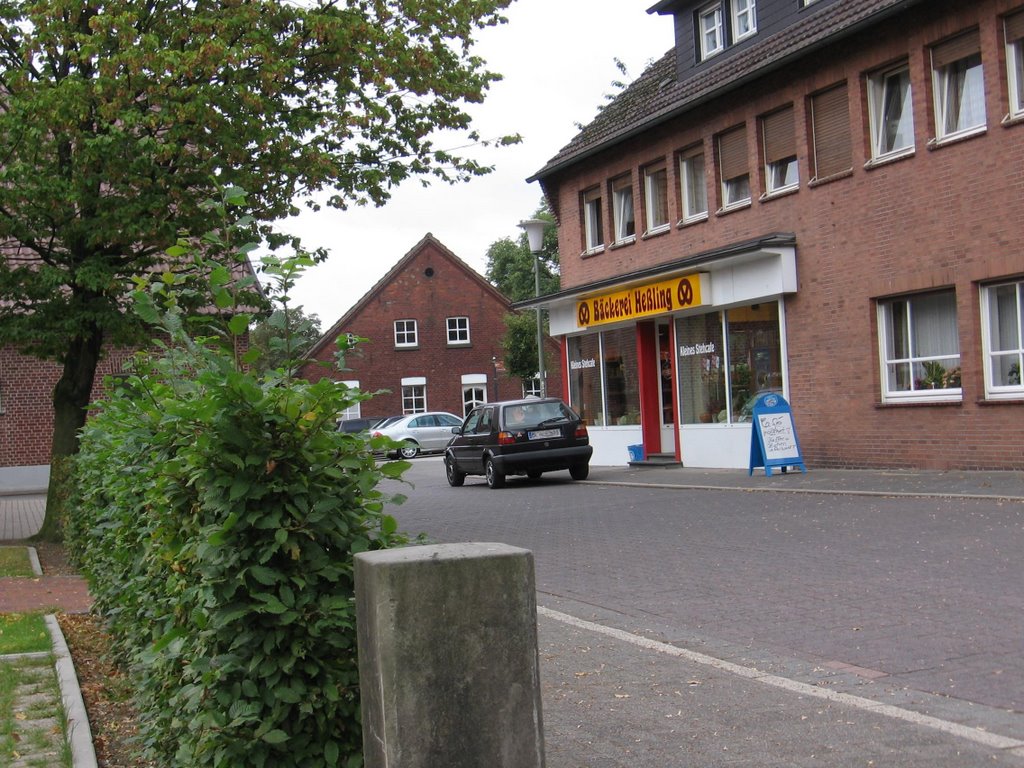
<point>946,217</point>
<point>26,401</point>
<point>430,300</point>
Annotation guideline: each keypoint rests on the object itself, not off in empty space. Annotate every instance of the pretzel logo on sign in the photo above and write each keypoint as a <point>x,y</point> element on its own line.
<point>684,292</point>
<point>583,315</point>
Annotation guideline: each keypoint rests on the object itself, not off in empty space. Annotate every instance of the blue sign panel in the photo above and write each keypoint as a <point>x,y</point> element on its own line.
<point>773,441</point>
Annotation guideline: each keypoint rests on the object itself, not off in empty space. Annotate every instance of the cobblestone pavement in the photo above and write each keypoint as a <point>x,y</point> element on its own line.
<point>907,596</point>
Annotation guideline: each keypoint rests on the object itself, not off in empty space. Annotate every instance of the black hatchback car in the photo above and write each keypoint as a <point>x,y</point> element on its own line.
<point>518,437</point>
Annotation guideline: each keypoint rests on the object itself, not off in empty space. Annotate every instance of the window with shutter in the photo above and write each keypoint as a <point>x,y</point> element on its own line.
<point>890,107</point>
<point>733,168</point>
<point>778,133</point>
<point>959,85</point>
<point>830,132</point>
<point>656,197</point>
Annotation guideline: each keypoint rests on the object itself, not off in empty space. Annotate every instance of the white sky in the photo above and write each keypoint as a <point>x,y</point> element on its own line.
<point>557,58</point>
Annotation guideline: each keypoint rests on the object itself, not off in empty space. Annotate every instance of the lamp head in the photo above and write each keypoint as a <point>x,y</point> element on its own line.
<point>535,233</point>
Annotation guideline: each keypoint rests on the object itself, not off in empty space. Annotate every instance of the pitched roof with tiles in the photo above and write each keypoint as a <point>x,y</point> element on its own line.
<point>657,95</point>
<point>338,328</point>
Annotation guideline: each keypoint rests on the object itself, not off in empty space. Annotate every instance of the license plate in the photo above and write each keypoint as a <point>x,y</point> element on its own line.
<point>544,434</point>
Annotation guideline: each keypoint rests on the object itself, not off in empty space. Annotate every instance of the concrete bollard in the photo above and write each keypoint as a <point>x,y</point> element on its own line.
<point>448,667</point>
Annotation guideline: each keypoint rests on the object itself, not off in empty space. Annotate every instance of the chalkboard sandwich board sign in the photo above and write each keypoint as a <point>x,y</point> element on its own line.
<point>773,441</point>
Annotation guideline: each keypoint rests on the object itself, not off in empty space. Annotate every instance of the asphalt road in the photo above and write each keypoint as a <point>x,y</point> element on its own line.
<point>757,613</point>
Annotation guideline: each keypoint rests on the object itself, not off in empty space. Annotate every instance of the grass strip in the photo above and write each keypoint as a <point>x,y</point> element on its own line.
<point>14,562</point>
<point>23,633</point>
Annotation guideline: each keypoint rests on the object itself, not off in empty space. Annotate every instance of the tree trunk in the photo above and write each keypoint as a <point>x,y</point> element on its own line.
<point>71,399</point>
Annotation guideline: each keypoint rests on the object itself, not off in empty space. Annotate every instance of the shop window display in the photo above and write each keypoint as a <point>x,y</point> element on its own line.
<point>701,368</point>
<point>622,389</point>
<point>585,378</point>
<point>719,381</point>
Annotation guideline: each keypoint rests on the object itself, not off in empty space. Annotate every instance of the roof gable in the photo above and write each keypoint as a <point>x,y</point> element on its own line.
<point>429,244</point>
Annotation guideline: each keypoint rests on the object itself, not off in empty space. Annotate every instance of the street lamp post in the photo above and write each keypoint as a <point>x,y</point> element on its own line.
<point>535,236</point>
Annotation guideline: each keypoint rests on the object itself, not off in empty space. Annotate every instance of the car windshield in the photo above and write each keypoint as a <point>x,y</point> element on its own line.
<point>535,414</point>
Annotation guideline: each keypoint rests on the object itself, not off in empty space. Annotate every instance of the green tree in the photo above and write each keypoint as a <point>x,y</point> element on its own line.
<point>282,337</point>
<point>510,268</point>
<point>120,116</point>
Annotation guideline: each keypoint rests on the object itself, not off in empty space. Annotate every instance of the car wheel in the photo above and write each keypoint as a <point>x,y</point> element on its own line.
<point>409,449</point>
<point>579,471</point>
<point>534,474</point>
<point>455,478</point>
<point>495,478</point>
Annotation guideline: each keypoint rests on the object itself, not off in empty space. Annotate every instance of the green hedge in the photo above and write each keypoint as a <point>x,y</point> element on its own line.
<point>216,517</point>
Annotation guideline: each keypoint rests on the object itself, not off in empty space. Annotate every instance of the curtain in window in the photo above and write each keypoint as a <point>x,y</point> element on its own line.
<point>1006,330</point>
<point>963,95</point>
<point>695,191</point>
<point>624,223</point>
<point>897,121</point>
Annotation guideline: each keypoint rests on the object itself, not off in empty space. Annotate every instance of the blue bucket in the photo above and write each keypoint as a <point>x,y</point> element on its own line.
<point>636,452</point>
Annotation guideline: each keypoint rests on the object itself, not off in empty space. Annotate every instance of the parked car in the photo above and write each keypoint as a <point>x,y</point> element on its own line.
<point>418,432</point>
<point>519,437</point>
<point>360,424</point>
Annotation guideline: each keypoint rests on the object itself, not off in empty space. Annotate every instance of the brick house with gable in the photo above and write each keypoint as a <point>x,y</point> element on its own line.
<point>819,198</point>
<point>435,328</point>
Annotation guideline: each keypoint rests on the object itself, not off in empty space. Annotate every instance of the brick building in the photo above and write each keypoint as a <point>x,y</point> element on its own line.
<point>435,328</point>
<point>814,197</point>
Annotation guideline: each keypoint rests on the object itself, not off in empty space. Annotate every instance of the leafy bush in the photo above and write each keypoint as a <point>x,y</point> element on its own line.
<point>216,517</point>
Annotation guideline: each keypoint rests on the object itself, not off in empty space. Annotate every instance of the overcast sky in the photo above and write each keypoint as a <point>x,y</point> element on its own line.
<point>557,59</point>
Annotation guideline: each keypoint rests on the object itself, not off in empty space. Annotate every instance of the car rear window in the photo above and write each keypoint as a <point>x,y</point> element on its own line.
<point>535,413</point>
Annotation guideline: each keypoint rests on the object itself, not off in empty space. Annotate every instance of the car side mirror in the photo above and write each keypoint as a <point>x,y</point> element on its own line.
<point>456,430</point>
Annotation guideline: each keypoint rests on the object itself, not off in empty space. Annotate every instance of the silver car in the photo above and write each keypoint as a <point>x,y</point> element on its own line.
<point>419,432</point>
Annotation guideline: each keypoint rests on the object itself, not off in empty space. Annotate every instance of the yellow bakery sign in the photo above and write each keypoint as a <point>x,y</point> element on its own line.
<point>642,301</point>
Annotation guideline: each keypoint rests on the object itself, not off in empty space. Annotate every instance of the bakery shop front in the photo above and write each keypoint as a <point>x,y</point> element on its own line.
<point>672,357</point>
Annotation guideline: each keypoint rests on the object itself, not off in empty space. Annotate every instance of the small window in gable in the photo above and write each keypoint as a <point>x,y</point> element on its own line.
<point>458,331</point>
<point>405,333</point>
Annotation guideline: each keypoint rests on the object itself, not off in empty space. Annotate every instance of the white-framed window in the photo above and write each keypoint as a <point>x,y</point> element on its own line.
<point>405,333</point>
<point>1013,26</point>
<point>414,394</point>
<point>778,136</point>
<point>733,167</point>
<point>920,347</point>
<point>623,218</point>
<point>711,27</point>
<point>354,411</point>
<point>891,113</point>
<point>474,390</point>
<point>1002,322</point>
<point>473,396</point>
<point>744,19</point>
<point>693,185</point>
<point>656,197</point>
<point>532,387</point>
<point>959,85</point>
<point>458,331</point>
<point>593,224</point>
